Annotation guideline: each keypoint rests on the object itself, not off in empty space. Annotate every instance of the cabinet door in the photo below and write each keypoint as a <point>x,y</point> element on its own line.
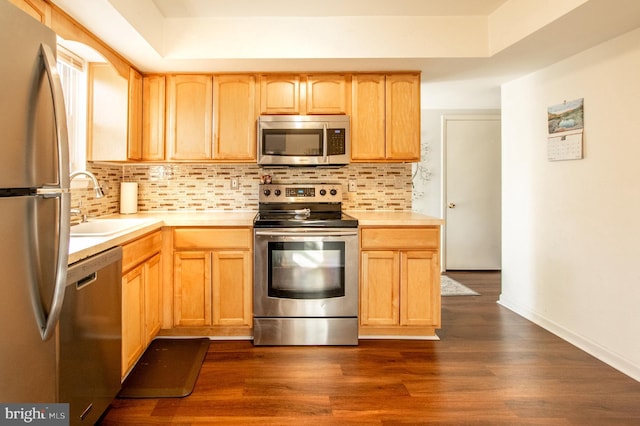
<point>403,117</point>
<point>367,117</point>
<point>379,288</point>
<point>280,94</point>
<point>232,292</point>
<point>107,113</point>
<point>234,120</point>
<point>152,298</point>
<point>134,144</point>
<point>133,337</point>
<point>189,117</point>
<point>192,288</point>
<point>326,94</point>
<point>420,288</point>
<point>153,97</point>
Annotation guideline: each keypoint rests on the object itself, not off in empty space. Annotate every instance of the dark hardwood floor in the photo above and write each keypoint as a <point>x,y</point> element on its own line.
<point>490,367</point>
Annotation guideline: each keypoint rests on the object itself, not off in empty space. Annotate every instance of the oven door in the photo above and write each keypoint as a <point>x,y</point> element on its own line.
<point>306,273</point>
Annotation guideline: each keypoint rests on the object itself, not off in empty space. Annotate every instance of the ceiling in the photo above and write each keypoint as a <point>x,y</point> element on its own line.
<point>482,43</point>
<point>217,8</point>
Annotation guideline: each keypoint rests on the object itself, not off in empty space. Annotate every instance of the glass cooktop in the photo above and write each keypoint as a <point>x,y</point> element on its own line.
<point>303,218</point>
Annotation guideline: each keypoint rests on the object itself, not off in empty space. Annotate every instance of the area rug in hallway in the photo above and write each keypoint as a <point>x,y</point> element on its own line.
<point>451,287</point>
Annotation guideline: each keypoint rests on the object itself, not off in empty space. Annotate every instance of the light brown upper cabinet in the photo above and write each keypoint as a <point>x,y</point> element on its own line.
<point>107,113</point>
<point>403,117</point>
<point>134,144</point>
<point>211,117</point>
<point>367,117</point>
<point>114,114</point>
<point>189,112</point>
<point>234,119</point>
<point>153,105</point>
<point>303,94</point>
<point>385,117</point>
<point>280,94</point>
<point>326,94</point>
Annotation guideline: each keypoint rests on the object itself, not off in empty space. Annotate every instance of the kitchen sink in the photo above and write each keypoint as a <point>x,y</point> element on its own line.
<point>105,227</point>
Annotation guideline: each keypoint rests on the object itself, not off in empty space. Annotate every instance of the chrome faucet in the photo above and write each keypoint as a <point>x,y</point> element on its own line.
<point>96,185</point>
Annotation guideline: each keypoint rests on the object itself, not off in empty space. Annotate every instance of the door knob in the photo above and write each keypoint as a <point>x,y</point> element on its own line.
<point>452,205</point>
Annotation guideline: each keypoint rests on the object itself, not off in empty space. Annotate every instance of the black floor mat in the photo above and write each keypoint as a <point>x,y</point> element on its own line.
<point>168,368</point>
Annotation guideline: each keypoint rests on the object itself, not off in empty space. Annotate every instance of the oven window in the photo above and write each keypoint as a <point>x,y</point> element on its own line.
<point>306,270</point>
<point>292,142</point>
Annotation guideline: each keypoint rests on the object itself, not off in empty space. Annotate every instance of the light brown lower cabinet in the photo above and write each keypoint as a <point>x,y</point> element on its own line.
<point>399,281</point>
<point>141,297</point>
<point>212,281</point>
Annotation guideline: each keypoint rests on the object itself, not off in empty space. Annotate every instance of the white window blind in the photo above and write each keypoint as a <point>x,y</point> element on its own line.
<point>73,76</point>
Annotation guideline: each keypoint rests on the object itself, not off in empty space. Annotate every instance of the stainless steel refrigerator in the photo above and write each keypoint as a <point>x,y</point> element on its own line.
<point>34,208</point>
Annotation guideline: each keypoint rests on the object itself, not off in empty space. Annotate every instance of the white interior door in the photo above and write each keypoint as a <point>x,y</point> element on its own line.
<point>472,192</point>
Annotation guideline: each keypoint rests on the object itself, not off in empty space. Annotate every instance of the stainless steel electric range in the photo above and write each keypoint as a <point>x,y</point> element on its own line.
<point>306,267</point>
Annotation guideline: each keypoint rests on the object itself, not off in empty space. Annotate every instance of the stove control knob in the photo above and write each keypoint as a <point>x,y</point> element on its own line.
<point>323,192</point>
<point>334,192</point>
<point>267,192</point>
<point>277,192</point>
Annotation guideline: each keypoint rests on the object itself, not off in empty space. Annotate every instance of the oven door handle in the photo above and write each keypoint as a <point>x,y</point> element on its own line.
<point>310,233</point>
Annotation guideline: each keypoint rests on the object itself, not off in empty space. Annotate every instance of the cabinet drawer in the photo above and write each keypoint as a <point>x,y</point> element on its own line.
<point>137,251</point>
<point>400,238</point>
<point>214,238</point>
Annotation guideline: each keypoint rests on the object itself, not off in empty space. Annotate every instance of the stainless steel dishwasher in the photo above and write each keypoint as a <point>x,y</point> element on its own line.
<point>90,336</point>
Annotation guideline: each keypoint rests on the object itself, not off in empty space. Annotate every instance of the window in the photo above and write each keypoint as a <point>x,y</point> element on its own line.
<point>73,76</point>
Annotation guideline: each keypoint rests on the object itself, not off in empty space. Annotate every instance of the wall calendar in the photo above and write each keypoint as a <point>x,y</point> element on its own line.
<point>566,130</point>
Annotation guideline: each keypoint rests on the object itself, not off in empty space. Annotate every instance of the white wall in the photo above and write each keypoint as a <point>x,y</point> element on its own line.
<point>571,229</point>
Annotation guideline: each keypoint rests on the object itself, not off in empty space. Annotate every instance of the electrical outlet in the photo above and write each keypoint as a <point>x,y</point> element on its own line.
<point>234,183</point>
<point>399,182</point>
<point>353,186</point>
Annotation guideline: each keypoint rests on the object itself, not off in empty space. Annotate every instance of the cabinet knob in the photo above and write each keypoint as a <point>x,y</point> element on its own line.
<point>452,205</point>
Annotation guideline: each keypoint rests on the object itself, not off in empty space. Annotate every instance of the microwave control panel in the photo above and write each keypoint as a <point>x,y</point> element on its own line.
<point>336,142</point>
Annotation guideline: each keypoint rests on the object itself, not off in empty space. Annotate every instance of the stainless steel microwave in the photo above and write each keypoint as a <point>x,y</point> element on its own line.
<point>304,140</point>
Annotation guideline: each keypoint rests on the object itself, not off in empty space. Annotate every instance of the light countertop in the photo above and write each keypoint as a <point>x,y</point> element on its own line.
<point>83,247</point>
<point>393,218</point>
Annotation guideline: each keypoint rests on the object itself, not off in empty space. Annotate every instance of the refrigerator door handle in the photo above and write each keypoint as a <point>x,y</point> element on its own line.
<point>49,322</point>
<point>60,117</point>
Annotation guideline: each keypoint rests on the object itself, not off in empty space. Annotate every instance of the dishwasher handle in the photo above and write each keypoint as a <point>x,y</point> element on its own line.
<point>85,272</point>
<point>89,279</point>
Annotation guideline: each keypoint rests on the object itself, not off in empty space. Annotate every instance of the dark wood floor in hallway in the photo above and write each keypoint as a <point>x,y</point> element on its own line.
<point>490,367</point>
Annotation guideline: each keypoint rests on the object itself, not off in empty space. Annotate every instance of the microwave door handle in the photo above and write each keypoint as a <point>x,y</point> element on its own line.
<point>325,143</point>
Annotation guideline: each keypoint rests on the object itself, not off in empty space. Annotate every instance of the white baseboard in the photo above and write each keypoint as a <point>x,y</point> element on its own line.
<point>603,354</point>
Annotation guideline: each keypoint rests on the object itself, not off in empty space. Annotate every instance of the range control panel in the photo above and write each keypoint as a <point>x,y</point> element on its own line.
<point>301,193</point>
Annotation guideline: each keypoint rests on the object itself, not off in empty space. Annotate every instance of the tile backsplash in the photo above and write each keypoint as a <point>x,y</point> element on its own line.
<point>194,187</point>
